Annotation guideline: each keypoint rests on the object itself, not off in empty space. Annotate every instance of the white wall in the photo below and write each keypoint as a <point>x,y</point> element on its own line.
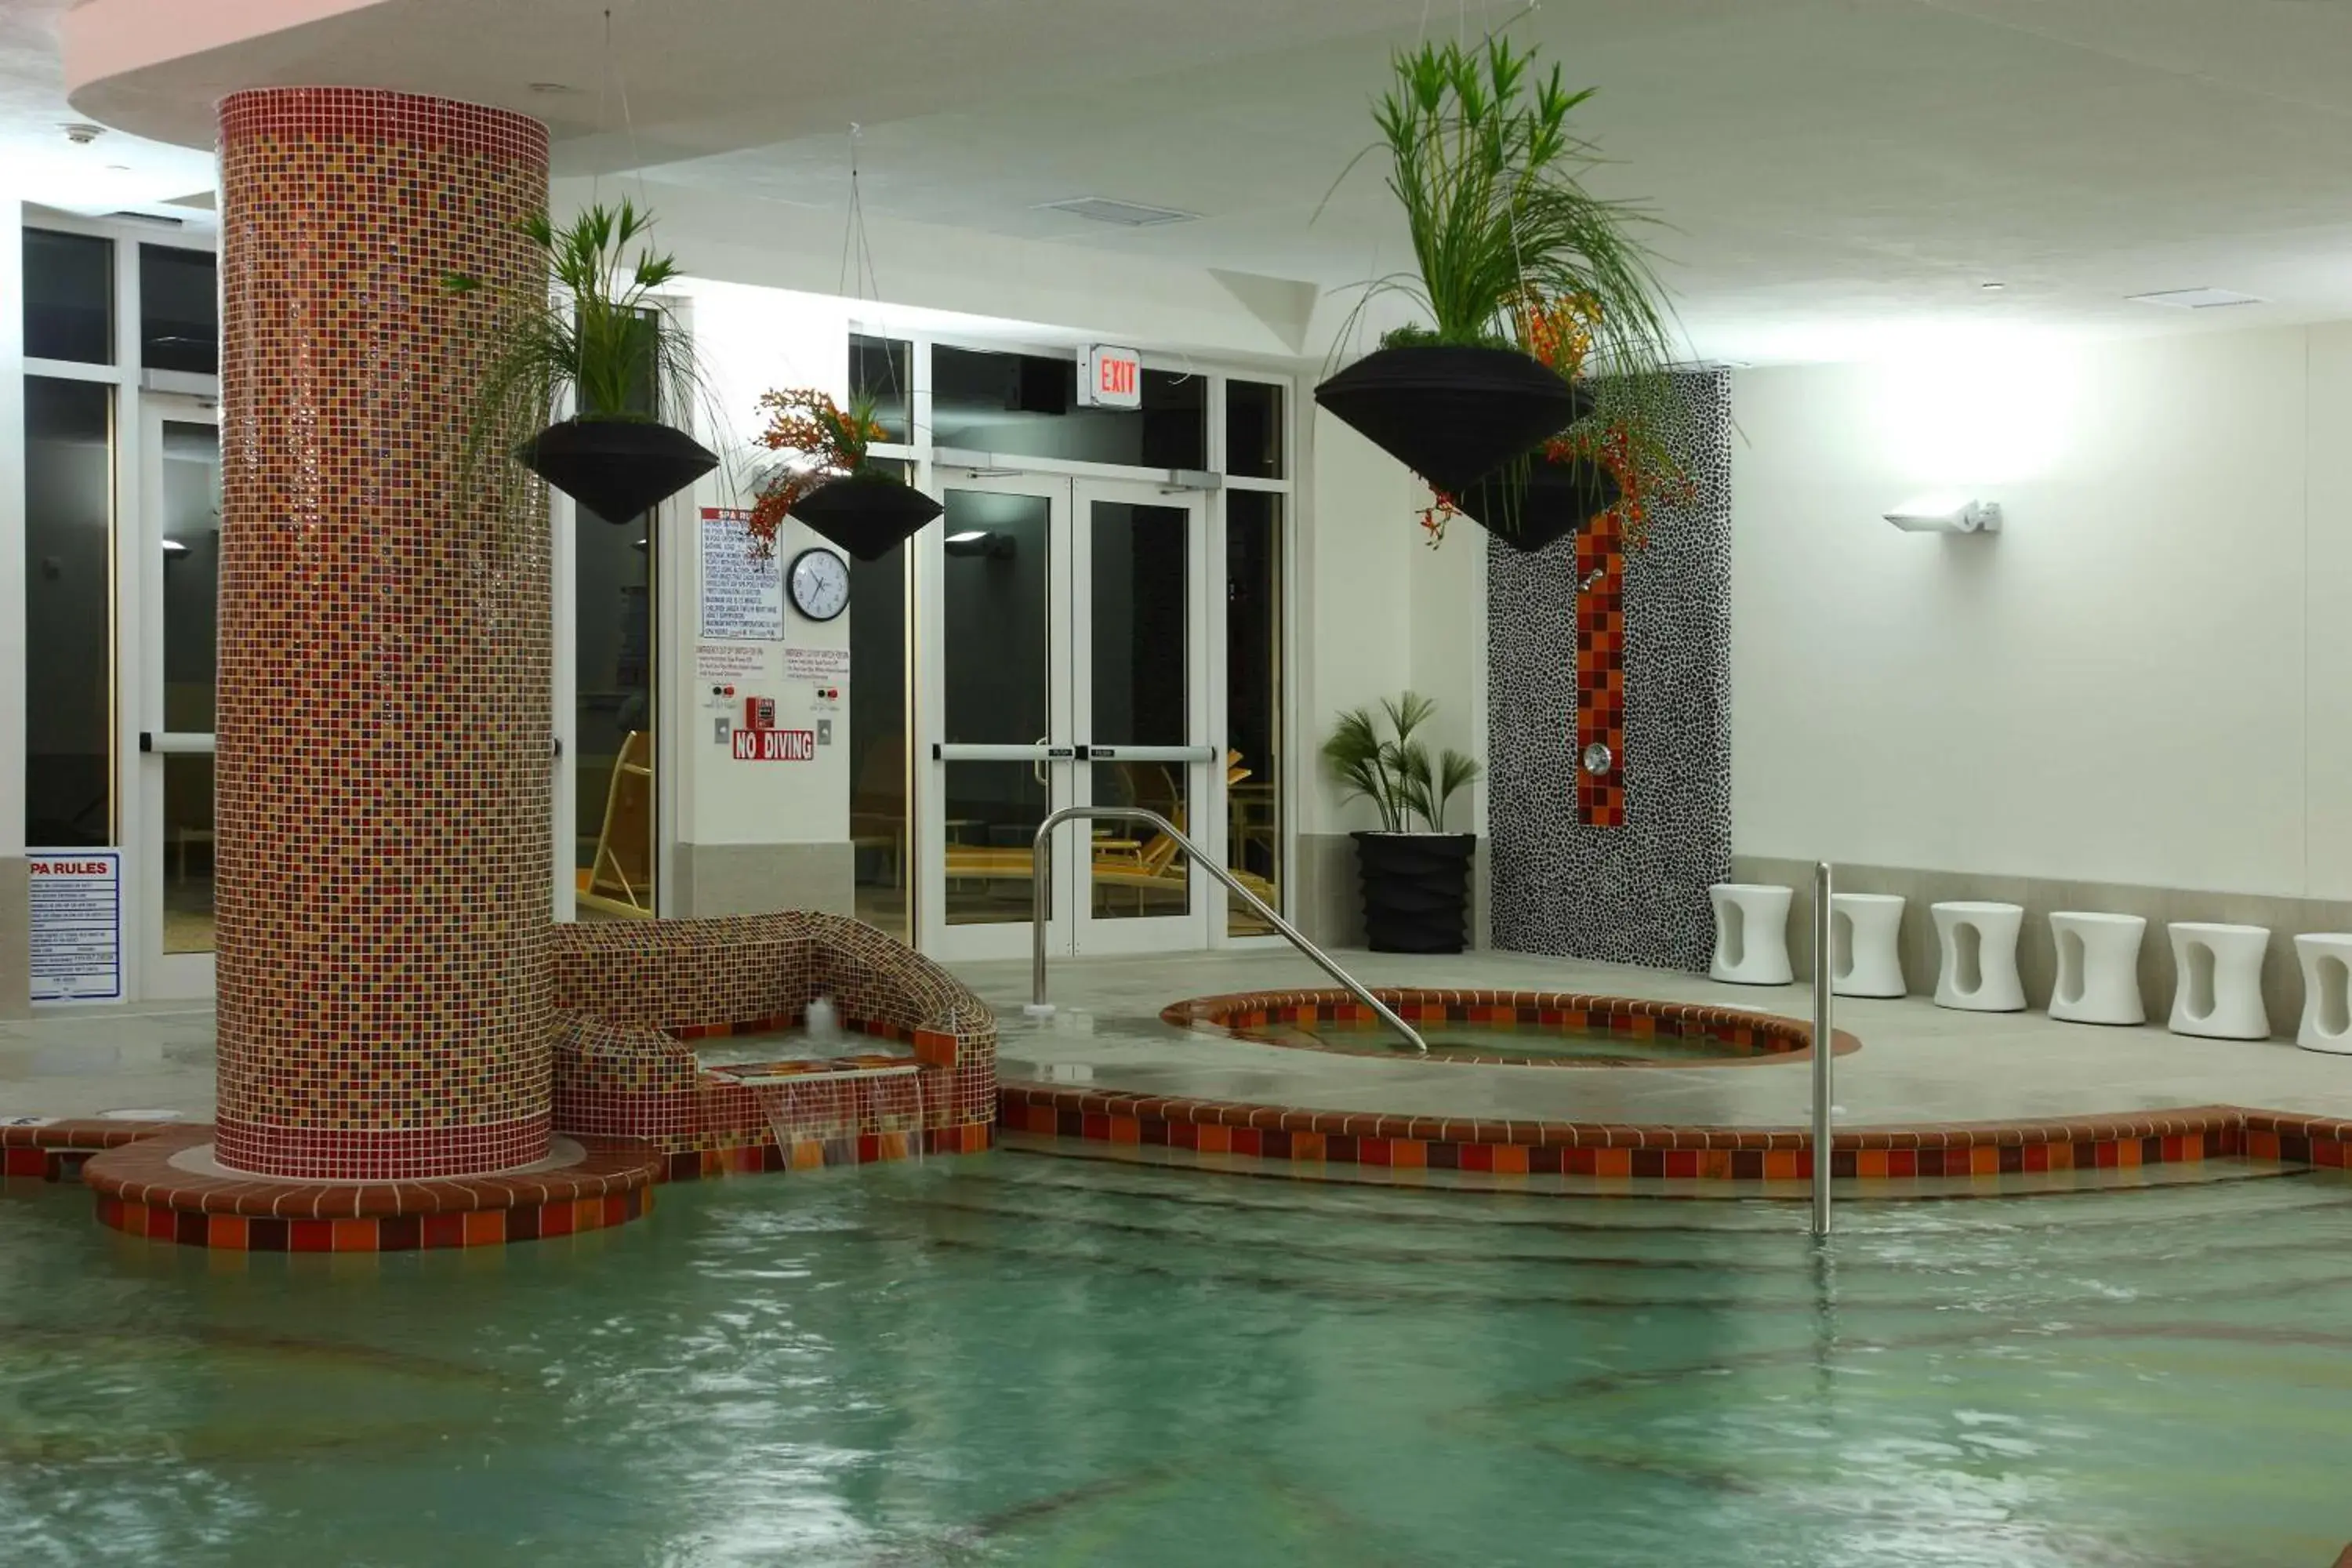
<point>2146,678</point>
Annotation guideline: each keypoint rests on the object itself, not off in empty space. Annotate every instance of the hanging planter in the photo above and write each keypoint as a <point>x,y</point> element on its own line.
<point>868,514</point>
<point>1528,506</point>
<point>1452,413</point>
<point>605,338</point>
<point>617,468</point>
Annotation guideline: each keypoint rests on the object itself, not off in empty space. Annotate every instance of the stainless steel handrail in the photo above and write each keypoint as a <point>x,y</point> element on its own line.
<point>1041,860</point>
<point>1825,1045</point>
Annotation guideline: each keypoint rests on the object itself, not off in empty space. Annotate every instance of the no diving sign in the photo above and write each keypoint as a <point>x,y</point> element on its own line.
<point>775,745</point>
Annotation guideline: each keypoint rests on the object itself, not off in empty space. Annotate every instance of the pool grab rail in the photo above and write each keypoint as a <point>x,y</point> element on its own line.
<point>1041,860</point>
<point>1824,1044</point>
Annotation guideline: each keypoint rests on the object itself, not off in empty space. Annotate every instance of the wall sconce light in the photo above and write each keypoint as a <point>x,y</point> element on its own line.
<point>1947,514</point>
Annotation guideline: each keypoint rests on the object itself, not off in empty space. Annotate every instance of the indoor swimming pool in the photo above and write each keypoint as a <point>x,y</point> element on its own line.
<point>1025,1360</point>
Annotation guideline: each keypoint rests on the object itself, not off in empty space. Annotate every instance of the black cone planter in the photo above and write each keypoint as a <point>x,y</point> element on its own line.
<point>618,468</point>
<point>1551,500</point>
<point>1416,889</point>
<point>867,514</point>
<point>1449,413</point>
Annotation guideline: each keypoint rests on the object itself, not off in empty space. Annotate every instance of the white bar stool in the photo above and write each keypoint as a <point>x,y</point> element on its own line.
<point>2219,993</point>
<point>2098,968</point>
<point>1979,969</point>
<point>2327,961</point>
<point>1751,933</point>
<point>1864,959</point>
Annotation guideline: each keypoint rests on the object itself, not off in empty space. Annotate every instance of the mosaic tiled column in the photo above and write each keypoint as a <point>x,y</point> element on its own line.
<point>383,724</point>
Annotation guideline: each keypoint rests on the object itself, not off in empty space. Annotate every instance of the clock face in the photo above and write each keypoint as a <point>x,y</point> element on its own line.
<point>819,581</point>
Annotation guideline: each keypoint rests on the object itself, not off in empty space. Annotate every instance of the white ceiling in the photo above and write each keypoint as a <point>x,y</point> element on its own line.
<point>36,159</point>
<point>1833,176</point>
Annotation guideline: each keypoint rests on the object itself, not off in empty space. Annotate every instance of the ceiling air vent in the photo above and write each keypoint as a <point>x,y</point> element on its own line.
<point>2194,299</point>
<point>1126,214</point>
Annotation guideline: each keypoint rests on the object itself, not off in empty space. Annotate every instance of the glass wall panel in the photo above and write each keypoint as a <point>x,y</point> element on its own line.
<point>1141,698</point>
<point>179,309</point>
<point>69,297</point>
<point>612,718</point>
<point>1024,405</point>
<point>68,612</point>
<point>880,810</point>
<point>1253,708</point>
<point>1253,429</point>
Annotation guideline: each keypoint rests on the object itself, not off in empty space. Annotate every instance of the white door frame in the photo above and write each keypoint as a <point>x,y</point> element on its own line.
<point>148,855</point>
<point>1069,610</point>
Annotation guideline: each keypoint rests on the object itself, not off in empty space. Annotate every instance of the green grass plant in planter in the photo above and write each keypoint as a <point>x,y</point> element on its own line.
<point>1484,164</point>
<point>605,336</point>
<point>1415,881</point>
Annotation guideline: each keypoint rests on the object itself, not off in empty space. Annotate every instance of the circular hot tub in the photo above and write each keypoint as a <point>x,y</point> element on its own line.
<point>1507,1028</point>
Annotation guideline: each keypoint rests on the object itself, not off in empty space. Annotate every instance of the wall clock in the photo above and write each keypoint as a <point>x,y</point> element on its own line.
<point>819,582</point>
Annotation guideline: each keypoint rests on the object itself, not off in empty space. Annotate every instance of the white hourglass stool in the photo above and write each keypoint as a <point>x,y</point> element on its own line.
<point>1751,933</point>
<point>2219,993</point>
<point>1864,960</point>
<point>2326,959</point>
<point>1977,972</point>
<point>2098,968</point>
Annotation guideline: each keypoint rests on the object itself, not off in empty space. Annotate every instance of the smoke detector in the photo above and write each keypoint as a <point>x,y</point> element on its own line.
<point>81,133</point>
<point>1125,215</point>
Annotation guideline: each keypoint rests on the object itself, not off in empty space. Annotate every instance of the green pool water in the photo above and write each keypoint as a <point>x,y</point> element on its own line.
<point>1021,1360</point>
<point>1483,1042</point>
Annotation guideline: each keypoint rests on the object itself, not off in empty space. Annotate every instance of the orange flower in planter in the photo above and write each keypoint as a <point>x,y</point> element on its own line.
<point>831,441</point>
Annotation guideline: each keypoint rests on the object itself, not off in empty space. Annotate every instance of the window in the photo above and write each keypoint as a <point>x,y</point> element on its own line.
<point>69,297</point>
<point>1253,429</point>
<point>179,309</point>
<point>1253,699</point>
<point>884,369</point>
<point>68,612</point>
<point>1024,405</point>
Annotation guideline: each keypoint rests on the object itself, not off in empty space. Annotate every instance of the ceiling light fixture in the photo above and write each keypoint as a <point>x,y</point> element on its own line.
<point>1992,287</point>
<point>552,87</point>
<point>1124,214</point>
<point>2193,298</point>
<point>1946,513</point>
<point>175,547</point>
<point>969,536</point>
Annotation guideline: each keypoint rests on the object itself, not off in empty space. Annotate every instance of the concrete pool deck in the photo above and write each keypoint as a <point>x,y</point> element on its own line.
<point>1918,1063</point>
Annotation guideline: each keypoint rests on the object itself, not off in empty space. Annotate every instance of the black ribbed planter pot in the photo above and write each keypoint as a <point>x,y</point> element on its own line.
<point>1452,414</point>
<point>1416,889</point>
<point>1550,500</point>
<point>618,468</point>
<point>868,514</point>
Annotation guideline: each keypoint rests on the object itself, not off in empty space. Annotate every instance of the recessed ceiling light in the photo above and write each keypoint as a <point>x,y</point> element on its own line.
<point>2194,299</point>
<point>1992,287</point>
<point>1126,214</point>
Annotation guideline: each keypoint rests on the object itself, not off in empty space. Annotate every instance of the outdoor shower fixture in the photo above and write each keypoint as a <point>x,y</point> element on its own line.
<point>1946,514</point>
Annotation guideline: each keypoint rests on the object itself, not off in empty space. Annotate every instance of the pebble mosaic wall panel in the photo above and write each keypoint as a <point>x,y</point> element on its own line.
<point>383,729</point>
<point>1617,868</point>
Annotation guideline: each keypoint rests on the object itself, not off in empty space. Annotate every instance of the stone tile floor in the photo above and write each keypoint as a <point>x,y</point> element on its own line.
<point>1918,1062</point>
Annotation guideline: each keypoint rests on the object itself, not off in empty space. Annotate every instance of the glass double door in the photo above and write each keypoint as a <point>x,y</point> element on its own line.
<point>1069,667</point>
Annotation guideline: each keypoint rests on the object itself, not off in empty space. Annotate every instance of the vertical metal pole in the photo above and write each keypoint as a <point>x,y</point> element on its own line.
<point>1041,907</point>
<point>1824,1047</point>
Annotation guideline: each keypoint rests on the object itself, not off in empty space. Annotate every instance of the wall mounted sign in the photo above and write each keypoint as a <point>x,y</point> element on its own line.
<point>729,661</point>
<point>775,745</point>
<point>826,665</point>
<point>1112,378</point>
<point>77,898</point>
<point>742,593</point>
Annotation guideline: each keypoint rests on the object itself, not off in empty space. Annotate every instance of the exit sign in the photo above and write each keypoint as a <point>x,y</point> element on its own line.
<point>1113,378</point>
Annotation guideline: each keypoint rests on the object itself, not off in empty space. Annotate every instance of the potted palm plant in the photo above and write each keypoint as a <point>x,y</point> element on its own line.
<point>605,336</point>
<point>1484,164</point>
<point>830,482</point>
<point>1415,881</point>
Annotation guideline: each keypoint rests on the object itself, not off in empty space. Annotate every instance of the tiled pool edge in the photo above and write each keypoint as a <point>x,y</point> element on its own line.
<point>1749,1038</point>
<point>1675,1153</point>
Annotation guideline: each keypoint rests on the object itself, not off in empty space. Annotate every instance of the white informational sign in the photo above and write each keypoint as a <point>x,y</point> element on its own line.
<point>823,665</point>
<point>775,745</point>
<point>742,594</point>
<point>730,662</point>
<point>1113,378</point>
<point>77,924</point>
